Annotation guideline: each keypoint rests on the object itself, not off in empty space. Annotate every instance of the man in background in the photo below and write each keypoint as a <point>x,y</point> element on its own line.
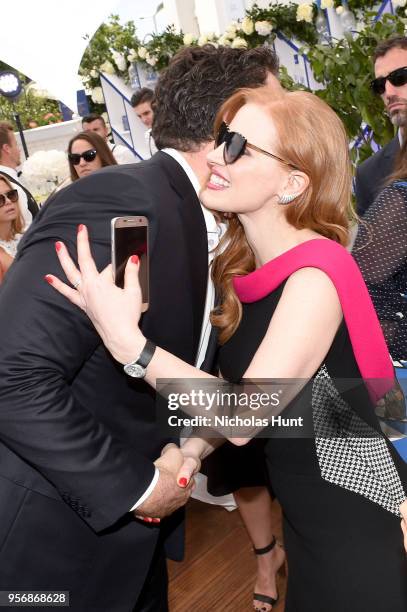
<point>96,123</point>
<point>10,159</point>
<point>390,67</point>
<point>141,102</point>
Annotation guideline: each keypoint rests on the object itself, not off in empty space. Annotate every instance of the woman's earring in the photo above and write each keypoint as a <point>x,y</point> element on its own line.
<point>286,198</point>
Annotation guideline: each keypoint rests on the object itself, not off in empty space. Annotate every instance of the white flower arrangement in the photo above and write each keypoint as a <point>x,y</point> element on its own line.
<point>189,39</point>
<point>107,67</point>
<point>142,52</point>
<point>132,56</point>
<point>119,60</point>
<point>247,26</point>
<point>231,31</point>
<point>304,13</point>
<point>224,41</point>
<point>327,4</point>
<point>151,59</point>
<point>94,73</point>
<point>263,28</point>
<point>339,10</point>
<point>44,170</point>
<point>97,95</point>
<point>239,43</point>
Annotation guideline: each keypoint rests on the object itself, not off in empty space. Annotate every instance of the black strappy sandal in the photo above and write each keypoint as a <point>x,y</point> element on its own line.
<point>271,601</point>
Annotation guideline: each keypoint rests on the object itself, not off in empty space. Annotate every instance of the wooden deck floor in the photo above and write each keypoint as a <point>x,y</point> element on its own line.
<point>218,572</point>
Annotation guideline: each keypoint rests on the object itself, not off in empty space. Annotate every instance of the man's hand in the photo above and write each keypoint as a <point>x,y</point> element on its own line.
<point>403,510</point>
<point>167,495</point>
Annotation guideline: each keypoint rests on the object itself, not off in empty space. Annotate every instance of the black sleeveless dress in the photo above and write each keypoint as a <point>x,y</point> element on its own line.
<point>339,490</point>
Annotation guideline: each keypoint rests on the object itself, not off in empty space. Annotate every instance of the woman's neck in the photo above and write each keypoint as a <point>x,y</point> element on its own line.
<point>6,231</point>
<point>269,234</point>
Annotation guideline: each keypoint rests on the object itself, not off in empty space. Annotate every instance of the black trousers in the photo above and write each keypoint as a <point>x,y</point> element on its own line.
<point>154,596</point>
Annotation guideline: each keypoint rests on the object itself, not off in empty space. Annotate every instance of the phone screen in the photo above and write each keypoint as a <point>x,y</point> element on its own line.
<point>131,241</point>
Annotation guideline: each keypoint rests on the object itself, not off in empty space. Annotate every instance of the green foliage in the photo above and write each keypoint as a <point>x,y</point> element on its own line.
<point>283,19</point>
<point>111,36</point>
<point>162,47</point>
<point>30,107</point>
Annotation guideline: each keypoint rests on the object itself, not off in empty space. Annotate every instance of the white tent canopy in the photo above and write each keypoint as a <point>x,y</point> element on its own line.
<point>45,40</point>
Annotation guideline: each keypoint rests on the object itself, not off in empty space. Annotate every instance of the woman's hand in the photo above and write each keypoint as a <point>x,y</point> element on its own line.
<point>191,463</point>
<point>403,510</point>
<point>114,312</point>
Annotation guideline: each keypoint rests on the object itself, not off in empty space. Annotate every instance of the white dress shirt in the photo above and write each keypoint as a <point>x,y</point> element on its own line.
<point>122,154</point>
<point>22,197</point>
<point>214,232</point>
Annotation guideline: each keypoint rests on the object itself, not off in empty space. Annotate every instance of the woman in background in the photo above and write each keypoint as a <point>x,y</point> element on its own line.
<point>11,225</point>
<point>381,252</point>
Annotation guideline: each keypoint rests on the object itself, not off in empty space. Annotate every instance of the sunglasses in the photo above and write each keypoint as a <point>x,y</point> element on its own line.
<point>236,144</point>
<point>397,78</point>
<point>11,195</point>
<point>88,156</point>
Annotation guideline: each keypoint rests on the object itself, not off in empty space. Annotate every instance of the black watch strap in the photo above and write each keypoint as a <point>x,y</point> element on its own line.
<point>146,354</point>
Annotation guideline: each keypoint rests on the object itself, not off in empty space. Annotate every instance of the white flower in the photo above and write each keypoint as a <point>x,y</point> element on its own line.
<point>327,4</point>
<point>263,27</point>
<point>339,10</point>
<point>107,67</point>
<point>132,56</point>
<point>239,43</point>
<point>97,95</point>
<point>399,3</point>
<point>94,73</point>
<point>189,39</point>
<point>247,26</point>
<point>151,59</point>
<point>44,170</point>
<point>142,52</point>
<point>230,31</point>
<point>203,39</point>
<point>119,60</point>
<point>224,41</point>
<point>304,13</point>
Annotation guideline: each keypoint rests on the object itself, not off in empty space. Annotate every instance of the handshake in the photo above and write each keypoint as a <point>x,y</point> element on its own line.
<point>175,484</point>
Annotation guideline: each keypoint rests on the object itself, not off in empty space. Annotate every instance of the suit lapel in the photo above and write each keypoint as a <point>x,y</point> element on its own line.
<point>195,236</point>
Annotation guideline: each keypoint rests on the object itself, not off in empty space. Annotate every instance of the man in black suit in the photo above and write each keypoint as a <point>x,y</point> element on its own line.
<point>390,55</point>
<point>77,436</point>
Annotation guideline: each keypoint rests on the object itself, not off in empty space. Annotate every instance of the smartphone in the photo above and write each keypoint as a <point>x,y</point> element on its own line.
<point>130,237</point>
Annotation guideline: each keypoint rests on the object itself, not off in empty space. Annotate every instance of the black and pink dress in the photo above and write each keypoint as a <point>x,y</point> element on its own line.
<point>341,488</point>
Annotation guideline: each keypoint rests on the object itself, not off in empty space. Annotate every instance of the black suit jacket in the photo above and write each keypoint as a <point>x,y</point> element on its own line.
<point>371,175</point>
<point>77,437</point>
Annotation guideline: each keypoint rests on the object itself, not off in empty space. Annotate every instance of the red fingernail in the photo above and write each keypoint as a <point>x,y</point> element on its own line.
<point>183,482</point>
<point>58,246</point>
<point>156,520</point>
<point>49,279</point>
<point>134,259</point>
<point>80,227</point>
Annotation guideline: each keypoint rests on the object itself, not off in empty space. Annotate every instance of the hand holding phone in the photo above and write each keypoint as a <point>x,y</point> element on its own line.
<point>130,237</point>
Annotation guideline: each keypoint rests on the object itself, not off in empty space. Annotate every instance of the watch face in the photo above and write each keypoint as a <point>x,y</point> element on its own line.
<point>135,370</point>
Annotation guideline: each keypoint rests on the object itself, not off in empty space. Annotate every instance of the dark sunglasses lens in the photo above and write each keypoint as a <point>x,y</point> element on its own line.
<point>379,86</point>
<point>12,195</point>
<point>74,158</point>
<point>234,147</point>
<point>89,156</point>
<point>398,77</point>
<point>221,135</point>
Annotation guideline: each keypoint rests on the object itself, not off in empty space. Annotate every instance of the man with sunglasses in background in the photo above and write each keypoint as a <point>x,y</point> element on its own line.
<point>390,67</point>
<point>78,437</point>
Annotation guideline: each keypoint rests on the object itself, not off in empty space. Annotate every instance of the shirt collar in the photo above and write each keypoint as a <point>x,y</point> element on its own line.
<point>11,171</point>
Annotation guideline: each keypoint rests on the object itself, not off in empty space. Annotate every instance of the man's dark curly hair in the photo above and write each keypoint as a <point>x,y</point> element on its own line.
<point>194,86</point>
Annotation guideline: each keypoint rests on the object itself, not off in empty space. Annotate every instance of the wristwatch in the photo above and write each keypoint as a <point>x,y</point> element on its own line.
<point>137,368</point>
